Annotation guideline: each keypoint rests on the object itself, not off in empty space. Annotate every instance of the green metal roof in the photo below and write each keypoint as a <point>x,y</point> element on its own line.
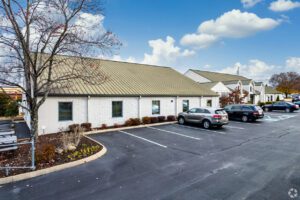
<point>270,90</point>
<point>219,77</point>
<point>128,79</point>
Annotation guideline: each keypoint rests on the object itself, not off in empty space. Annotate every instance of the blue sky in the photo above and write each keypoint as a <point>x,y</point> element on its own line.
<point>269,42</point>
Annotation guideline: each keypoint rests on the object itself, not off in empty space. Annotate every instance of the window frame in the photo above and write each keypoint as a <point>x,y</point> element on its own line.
<point>188,105</point>
<point>72,111</point>
<point>209,100</point>
<point>153,101</point>
<point>112,109</point>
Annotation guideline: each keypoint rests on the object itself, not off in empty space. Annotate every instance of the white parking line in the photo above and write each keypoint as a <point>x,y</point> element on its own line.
<point>201,129</point>
<point>171,132</point>
<point>236,127</point>
<point>150,141</point>
<point>245,123</point>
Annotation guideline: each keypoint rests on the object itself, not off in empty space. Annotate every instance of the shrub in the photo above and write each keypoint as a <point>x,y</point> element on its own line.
<point>72,127</point>
<point>71,138</point>
<point>171,118</point>
<point>269,102</point>
<point>46,153</point>
<point>117,125</point>
<point>129,122</point>
<point>154,119</point>
<point>146,120</point>
<point>86,126</point>
<point>277,99</point>
<point>161,118</point>
<point>103,126</point>
<point>84,152</point>
<point>136,121</point>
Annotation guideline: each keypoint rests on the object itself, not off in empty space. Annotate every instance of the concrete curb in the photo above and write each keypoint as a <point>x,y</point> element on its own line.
<point>127,128</point>
<point>33,174</point>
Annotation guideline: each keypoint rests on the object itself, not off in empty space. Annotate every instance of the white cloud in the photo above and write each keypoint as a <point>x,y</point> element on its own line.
<point>232,24</point>
<point>283,5</point>
<point>165,52</point>
<point>198,40</point>
<point>293,63</point>
<point>255,69</point>
<point>250,3</point>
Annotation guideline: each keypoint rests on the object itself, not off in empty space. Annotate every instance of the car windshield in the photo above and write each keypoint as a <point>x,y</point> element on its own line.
<point>220,112</point>
<point>289,103</point>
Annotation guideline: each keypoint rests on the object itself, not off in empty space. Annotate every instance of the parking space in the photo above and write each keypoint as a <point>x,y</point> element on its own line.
<point>240,161</point>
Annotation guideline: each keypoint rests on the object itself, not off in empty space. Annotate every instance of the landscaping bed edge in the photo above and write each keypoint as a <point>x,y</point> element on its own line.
<point>41,172</point>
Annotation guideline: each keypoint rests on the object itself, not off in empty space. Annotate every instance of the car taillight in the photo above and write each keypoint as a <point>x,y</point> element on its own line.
<point>217,116</point>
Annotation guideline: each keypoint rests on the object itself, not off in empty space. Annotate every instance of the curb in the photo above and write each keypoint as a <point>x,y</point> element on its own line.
<point>41,172</point>
<point>127,128</point>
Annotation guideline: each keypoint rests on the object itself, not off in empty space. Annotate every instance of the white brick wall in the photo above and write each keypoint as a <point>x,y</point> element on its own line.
<point>98,110</point>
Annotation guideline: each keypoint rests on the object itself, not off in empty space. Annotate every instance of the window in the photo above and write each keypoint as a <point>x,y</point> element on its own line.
<point>155,107</point>
<point>235,108</point>
<point>117,109</point>
<point>209,103</point>
<point>193,110</point>
<point>247,108</point>
<point>65,111</point>
<point>185,105</point>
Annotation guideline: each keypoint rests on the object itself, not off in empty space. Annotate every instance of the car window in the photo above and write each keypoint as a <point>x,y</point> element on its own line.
<point>277,104</point>
<point>228,108</point>
<point>247,108</point>
<point>220,112</point>
<point>236,108</point>
<point>193,110</point>
<point>257,108</point>
<point>206,111</point>
<point>199,110</point>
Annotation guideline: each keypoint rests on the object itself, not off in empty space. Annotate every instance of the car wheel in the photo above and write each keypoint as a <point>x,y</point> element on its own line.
<point>267,109</point>
<point>287,110</point>
<point>245,118</point>
<point>206,124</point>
<point>181,121</point>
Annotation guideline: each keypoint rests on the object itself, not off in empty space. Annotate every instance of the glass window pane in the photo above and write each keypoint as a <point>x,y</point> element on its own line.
<point>65,111</point>
<point>117,109</point>
<point>209,103</point>
<point>155,107</point>
<point>185,105</point>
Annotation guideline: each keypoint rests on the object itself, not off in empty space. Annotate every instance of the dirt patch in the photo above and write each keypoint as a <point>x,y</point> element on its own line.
<point>22,156</point>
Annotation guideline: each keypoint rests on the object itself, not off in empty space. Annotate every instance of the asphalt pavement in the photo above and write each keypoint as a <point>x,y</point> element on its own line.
<point>259,160</point>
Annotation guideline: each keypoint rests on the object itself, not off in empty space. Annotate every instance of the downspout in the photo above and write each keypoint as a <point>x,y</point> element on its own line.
<point>176,105</point>
<point>139,107</point>
<point>87,109</point>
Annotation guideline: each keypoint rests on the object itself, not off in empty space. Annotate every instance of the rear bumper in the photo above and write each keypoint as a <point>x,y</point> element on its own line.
<point>216,123</point>
<point>258,116</point>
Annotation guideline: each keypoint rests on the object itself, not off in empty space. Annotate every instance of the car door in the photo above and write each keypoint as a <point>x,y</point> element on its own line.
<point>199,115</point>
<point>190,116</point>
<point>229,111</point>
<point>236,112</point>
<point>276,106</point>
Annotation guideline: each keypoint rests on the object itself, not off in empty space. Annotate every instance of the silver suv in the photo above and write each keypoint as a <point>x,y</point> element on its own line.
<point>208,117</point>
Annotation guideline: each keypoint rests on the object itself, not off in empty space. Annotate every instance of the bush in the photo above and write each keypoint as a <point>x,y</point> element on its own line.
<point>103,126</point>
<point>84,152</point>
<point>117,125</point>
<point>154,119</point>
<point>136,121</point>
<point>9,107</point>
<point>46,153</point>
<point>128,122</point>
<point>277,99</point>
<point>73,127</point>
<point>269,102</point>
<point>171,118</point>
<point>161,118</point>
<point>86,126</point>
<point>146,120</point>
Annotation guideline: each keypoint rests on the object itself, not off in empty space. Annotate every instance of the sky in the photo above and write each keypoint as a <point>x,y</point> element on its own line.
<point>261,37</point>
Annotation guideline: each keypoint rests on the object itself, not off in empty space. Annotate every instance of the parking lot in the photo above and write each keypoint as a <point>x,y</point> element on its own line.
<point>257,160</point>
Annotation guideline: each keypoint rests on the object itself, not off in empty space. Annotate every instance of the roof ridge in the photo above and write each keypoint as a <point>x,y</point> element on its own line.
<point>219,73</point>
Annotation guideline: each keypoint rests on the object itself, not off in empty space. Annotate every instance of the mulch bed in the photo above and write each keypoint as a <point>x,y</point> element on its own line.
<point>22,156</point>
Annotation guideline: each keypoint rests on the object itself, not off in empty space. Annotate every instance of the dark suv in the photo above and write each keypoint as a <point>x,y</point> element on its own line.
<point>244,112</point>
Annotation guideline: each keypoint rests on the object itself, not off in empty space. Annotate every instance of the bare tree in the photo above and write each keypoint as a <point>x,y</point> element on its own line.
<point>286,82</point>
<point>34,34</point>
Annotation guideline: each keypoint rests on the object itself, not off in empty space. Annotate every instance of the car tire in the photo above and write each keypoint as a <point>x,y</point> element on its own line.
<point>206,124</point>
<point>219,126</point>
<point>287,110</point>
<point>245,118</point>
<point>267,109</point>
<point>181,121</point>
